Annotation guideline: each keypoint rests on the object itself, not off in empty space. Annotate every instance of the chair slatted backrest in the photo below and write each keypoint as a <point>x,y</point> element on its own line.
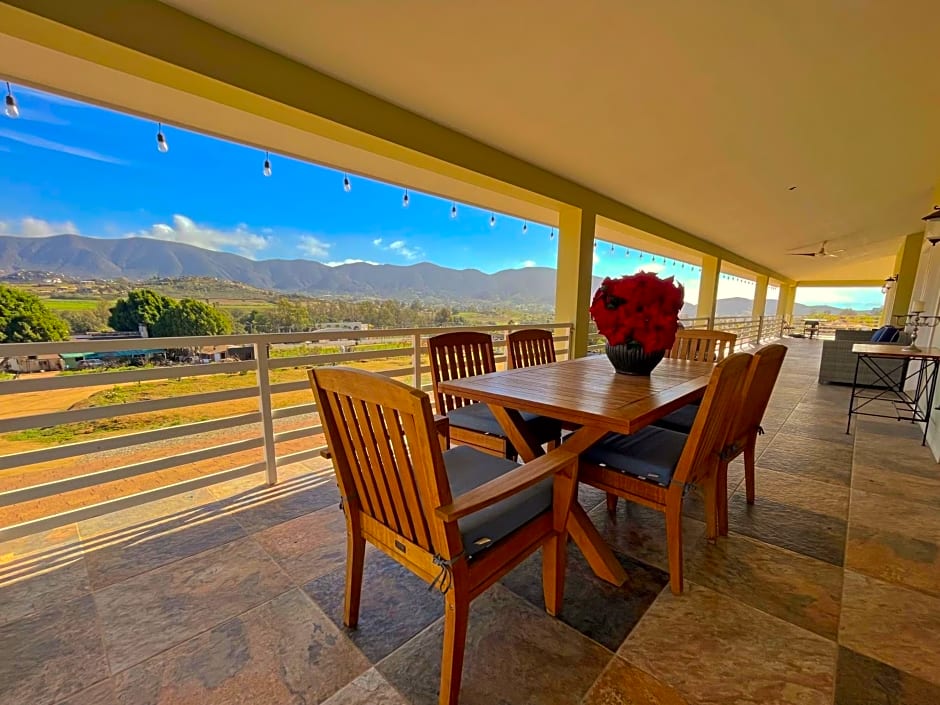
<point>709,434</point>
<point>388,462</point>
<point>455,356</point>
<point>758,386</point>
<point>702,345</point>
<point>530,347</point>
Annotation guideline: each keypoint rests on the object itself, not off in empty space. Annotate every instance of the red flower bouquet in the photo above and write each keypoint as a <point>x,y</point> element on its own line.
<point>638,308</point>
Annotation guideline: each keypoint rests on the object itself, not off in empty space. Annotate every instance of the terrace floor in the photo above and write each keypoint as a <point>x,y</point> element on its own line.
<point>827,590</point>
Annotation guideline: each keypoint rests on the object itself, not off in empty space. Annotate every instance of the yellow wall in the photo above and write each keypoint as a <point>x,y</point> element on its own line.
<point>708,287</point>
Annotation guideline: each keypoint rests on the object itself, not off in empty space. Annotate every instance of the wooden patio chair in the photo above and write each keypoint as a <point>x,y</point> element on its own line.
<point>465,354</point>
<point>458,519</point>
<point>758,386</point>
<point>526,348</point>
<point>653,466</point>
<point>702,345</point>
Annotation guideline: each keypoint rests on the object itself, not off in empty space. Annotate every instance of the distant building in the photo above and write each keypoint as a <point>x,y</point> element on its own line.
<point>341,326</point>
<point>33,363</point>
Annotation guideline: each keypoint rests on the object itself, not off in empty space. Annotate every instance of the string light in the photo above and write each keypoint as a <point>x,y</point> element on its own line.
<point>267,165</point>
<point>595,243</point>
<point>492,220</point>
<point>626,253</point>
<point>453,209</point>
<point>525,226</point>
<point>551,235</point>
<point>162,145</point>
<point>11,108</point>
<point>347,185</point>
<point>405,200</point>
<point>611,248</point>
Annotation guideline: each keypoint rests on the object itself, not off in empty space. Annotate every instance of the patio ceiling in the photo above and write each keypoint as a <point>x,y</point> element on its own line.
<point>700,114</point>
<point>701,118</point>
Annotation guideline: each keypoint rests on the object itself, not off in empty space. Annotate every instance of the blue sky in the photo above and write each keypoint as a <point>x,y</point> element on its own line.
<point>71,167</point>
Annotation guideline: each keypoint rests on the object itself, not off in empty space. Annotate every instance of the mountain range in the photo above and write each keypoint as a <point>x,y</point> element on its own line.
<point>138,259</point>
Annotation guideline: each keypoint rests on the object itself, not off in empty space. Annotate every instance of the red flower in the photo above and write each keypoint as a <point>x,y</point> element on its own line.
<point>639,308</point>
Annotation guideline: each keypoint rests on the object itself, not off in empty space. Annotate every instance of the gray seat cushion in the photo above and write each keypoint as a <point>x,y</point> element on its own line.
<point>680,420</point>
<point>478,417</point>
<point>468,468</point>
<point>649,454</point>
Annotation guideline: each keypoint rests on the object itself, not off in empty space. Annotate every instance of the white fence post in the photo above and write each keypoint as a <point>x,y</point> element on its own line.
<point>267,417</point>
<point>416,359</point>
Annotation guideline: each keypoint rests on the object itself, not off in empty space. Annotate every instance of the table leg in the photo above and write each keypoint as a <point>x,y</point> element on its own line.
<point>583,532</point>
<point>596,551</point>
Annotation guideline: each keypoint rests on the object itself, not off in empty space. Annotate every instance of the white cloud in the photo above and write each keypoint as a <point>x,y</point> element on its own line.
<point>337,263</point>
<point>528,263</point>
<point>314,246</point>
<point>401,247</point>
<point>36,227</point>
<point>652,267</point>
<point>377,242</point>
<point>184,230</point>
<point>41,143</point>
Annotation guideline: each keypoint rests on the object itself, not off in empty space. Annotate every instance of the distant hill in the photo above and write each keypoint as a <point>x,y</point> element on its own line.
<point>143,258</point>
<point>139,259</point>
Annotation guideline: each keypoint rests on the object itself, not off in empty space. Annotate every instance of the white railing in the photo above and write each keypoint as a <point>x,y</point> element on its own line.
<point>751,330</point>
<point>279,424</point>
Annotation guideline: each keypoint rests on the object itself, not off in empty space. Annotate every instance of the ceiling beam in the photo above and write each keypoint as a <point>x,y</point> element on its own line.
<point>163,45</point>
<point>840,282</point>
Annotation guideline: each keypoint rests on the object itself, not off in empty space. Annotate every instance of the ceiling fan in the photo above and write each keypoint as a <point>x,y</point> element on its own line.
<point>821,252</point>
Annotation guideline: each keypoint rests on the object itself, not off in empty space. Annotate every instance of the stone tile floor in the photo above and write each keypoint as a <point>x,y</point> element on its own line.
<point>827,591</point>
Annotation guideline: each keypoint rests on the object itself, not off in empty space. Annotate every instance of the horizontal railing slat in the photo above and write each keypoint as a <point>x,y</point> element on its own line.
<point>71,450</point>
<point>57,418</point>
<point>97,379</point>
<point>49,489</point>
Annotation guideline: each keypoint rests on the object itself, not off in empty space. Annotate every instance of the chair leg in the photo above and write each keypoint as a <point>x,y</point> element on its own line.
<point>722,498</point>
<point>554,562</point>
<point>750,450</point>
<point>612,503</point>
<point>674,545</point>
<point>710,492</point>
<point>355,555</point>
<point>456,617</point>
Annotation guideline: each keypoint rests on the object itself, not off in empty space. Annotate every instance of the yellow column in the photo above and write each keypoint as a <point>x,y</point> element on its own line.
<point>760,296</point>
<point>708,287</point>
<point>786,301</point>
<point>906,262</point>
<point>573,281</point>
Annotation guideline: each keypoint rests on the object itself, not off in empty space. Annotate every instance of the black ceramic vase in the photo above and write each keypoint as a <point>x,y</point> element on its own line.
<point>630,359</point>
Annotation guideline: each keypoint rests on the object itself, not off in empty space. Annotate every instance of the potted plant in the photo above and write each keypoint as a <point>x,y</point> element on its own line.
<point>638,314</point>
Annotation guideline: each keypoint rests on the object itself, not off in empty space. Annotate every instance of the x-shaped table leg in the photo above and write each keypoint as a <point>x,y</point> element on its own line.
<point>583,532</point>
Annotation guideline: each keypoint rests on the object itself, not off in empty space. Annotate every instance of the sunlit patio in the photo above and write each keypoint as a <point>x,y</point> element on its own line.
<point>826,590</point>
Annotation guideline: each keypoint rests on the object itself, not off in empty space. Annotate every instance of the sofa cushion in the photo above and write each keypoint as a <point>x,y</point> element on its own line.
<point>478,417</point>
<point>650,454</point>
<point>468,468</point>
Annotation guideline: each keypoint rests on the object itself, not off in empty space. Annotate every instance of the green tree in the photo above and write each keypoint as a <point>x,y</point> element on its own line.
<point>80,322</point>
<point>290,314</point>
<point>190,317</point>
<point>25,319</point>
<point>141,306</point>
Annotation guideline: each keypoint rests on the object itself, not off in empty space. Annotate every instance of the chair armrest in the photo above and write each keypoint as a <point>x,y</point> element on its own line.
<point>507,485</point>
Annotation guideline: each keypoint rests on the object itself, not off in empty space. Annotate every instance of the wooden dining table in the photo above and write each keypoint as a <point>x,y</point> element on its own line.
<point>588,394</point>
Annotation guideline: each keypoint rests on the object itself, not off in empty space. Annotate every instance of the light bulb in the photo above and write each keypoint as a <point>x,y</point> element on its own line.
<point>347,186</point>
<point>626,253</point>
<point>453,210</point>
<point>611,248</point>
<point>595,244</point>
<point>525,226</point>
<point>267,165</point>
<point>492,220</point>
<point>11,109</point>
<point>162,145</point>
<point>405,200</point>
<point>552,235</point>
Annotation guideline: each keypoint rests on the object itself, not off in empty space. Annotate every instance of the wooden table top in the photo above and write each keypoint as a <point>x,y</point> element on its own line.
<point>587,391</point>
<point>882,350</point>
